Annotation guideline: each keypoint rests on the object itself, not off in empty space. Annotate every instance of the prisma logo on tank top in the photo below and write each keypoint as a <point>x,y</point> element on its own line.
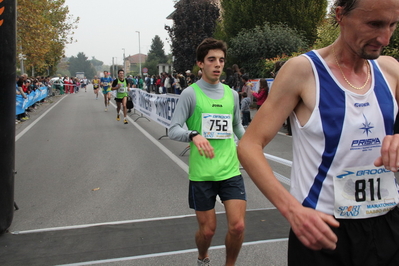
<point>367,143</point>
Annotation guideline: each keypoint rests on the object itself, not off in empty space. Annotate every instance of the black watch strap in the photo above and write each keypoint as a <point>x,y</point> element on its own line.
<point>193,134</point>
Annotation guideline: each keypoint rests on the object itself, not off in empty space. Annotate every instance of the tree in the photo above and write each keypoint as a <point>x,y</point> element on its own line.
<point>43,27</point>
<point>97,64</point>
<point>156,55</point>
<point>326,34</point>
<point>63,68</point>
<point>393,48</point>
<point>303,15</point>
<point>194,20</point>
<point>156,52</point>
<point>81,64</point>
<point>251,47</point>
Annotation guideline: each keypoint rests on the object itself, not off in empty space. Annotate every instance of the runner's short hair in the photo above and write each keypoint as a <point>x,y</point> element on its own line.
<point>348,6</point>
<point>210,44</point>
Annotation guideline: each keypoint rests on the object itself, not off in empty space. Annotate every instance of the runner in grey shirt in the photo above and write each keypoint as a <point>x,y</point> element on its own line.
<point>186,106</point>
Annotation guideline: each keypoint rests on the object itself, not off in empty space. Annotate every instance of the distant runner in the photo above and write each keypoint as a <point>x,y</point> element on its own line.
<point>96,85</point>
<point>121,86</point>
<point>106,85</point>
<point>83,84</point>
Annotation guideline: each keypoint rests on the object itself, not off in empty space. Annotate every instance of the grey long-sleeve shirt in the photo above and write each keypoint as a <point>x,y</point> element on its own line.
<point>186,105</point>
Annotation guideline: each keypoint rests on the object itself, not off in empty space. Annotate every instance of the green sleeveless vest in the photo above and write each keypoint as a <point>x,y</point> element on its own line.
<point>225,164</point>
<point>120,95</point>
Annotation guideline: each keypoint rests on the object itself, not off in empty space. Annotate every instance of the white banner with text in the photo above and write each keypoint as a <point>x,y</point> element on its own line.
<point>158,107</point>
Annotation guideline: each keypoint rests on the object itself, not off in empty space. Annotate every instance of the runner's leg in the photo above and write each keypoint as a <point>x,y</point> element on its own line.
<point>206,231</point>
<point>235,212</point>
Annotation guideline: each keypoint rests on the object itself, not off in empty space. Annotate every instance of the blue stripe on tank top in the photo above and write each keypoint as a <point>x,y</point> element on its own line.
<point>332,113</point>
<point>384,98</point>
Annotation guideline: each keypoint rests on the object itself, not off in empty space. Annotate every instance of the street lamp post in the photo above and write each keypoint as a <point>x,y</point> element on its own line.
<point>113,67</point>
<point>22,58</point>
<point>139,53</point>
<point>124,64</point>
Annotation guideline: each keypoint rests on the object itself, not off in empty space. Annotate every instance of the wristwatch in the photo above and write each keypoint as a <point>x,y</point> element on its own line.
<point>193,134</point>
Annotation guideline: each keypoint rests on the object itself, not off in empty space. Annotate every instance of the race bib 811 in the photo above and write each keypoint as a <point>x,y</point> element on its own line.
<point>364,192</point>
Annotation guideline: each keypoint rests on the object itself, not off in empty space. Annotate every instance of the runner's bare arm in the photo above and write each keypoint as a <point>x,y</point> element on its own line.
<point>310,226</point>
<point>390,145</point>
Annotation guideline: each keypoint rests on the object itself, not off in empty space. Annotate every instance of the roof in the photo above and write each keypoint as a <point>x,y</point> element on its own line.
<point>135,59</point>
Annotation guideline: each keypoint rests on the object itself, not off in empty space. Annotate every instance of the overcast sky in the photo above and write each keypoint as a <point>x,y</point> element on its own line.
<point>106,27</point>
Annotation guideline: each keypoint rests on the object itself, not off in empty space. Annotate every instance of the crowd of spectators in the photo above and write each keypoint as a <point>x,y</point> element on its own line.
<point>236,78</point>
<point>26,85</point>
<point>69,85</point>
<point>165,82</point>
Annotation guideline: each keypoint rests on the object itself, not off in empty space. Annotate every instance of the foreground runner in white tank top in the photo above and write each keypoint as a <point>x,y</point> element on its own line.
<point>342,101</point>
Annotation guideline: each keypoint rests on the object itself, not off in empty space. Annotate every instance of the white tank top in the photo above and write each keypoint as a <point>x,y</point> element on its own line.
<point>344,130</point>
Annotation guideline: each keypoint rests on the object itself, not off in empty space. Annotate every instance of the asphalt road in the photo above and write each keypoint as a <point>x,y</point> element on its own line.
<point>92,190</point>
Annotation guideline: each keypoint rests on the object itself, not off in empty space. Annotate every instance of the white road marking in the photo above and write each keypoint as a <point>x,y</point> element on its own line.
<point>53,229</point>
<point>182,165</point>
<point>169,253</point>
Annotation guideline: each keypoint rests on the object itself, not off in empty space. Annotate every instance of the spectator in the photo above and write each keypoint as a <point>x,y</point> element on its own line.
<point>148,83</point>
<point>229,80</point>
<point>182,81</point>
<point>130,81</point>
<point>247,87</point>
<point>140,82</point>
<point>163,77</point>
<point>68,85</point>
<point>158,86</point>
<point>237,81</point>
<point>262,94</point>
<point>76,84</point>
<point>153,83</point>
<point>176,84</point>
<point>20,84</point>
<point>189,81</point>
<point>245,109</point>
<point>167,84</point>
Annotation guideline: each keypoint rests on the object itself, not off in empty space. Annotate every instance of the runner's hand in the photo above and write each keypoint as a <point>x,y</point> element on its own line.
<point>389,153</point>
<point>312,228</point>
<point>203,146</point>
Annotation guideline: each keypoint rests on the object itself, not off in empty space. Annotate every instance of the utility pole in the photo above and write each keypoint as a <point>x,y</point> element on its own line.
<point>22,58</point>
<point>8,65</point>
<point>124,64</point>
<point>113,67</point>
<point>139,53</point>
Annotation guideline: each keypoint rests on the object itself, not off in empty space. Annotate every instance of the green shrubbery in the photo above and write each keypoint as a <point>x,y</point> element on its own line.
<point>252,47</point>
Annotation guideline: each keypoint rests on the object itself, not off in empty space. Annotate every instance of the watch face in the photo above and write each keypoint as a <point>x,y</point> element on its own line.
<point>193,134</point>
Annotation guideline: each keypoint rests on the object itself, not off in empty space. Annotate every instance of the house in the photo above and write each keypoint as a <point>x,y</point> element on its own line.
<point>132,63</point>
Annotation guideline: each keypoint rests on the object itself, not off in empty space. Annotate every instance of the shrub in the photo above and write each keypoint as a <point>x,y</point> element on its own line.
<point>250,48</point>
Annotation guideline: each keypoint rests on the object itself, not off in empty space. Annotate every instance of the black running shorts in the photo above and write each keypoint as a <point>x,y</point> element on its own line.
<point>202,194</point>
<point>361,242</point>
